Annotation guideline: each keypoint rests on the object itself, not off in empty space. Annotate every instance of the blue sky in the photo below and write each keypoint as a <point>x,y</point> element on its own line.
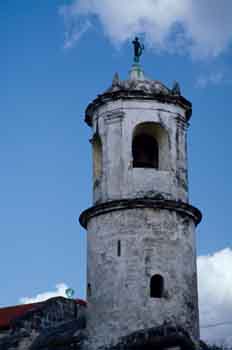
<point>54,61</point>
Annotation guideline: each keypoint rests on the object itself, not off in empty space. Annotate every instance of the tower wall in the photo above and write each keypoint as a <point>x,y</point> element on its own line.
<point>115,123</point>
<point>153,241</point>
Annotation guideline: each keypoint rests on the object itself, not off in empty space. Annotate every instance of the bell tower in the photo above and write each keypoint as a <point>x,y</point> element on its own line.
<point>141,258</point>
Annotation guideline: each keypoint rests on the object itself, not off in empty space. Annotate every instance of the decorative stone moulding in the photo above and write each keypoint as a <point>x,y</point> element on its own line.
<point>125,204</point>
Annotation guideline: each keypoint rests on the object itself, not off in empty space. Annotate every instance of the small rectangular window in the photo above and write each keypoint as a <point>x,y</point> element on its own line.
<point>119,248</point>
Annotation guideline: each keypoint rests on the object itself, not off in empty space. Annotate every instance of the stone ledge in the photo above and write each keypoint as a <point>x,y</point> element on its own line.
<point>124,204</point>
<point>131,94</point>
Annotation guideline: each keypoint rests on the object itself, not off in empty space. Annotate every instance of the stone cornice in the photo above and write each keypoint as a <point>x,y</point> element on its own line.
<point>125,204</point>
<point>136,95</point>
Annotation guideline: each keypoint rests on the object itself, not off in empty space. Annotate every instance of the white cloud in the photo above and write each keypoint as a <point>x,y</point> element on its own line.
<point>59,291</point>
<point>212,79</point>
<point>201,27</point>
<point>215,295</point>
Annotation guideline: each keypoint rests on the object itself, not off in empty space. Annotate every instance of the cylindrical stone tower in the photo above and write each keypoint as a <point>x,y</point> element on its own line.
<point>141,229</point>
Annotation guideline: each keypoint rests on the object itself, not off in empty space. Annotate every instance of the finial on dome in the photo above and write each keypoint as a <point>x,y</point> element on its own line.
<point>176,88</point>
<point>116,80</point>
<point>136,72</point>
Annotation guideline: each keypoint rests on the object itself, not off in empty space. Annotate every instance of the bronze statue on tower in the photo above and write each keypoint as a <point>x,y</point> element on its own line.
<point>138,49</point>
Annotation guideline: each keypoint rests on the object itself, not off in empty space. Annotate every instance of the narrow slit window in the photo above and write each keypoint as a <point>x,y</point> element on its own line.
<point>156,286</point>
<point>119,248</point>
<point>89,290</point>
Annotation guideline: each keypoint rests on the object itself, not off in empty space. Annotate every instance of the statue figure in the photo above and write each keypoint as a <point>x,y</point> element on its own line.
<point>138,49</point>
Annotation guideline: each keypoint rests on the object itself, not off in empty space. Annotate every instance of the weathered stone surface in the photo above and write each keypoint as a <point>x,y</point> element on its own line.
<point>166,336</point>
<point>153,241</point>
<point>158,202</point>
<point>58,321</point>
<point>65,335</point>
<point>48,314</point>
<point>116,122</point>
<point>145,85</point>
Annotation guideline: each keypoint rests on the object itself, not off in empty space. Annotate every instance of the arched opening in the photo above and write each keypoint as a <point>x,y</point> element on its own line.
<point>156,286</point>
<point>97,156</point>
<point>145,152</point>
<point>150,146</point>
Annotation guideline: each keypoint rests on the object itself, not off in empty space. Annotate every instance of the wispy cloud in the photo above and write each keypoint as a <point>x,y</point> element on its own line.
<point>75,27</point>
<point>215,295</point>
<point>204,81</point>
<point>60,289</point>
<point>72,35</point>
<point>201,28</point>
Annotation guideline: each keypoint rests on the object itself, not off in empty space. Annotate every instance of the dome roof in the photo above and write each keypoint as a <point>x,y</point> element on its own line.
<point>137,86</point>
<point>146,86</point>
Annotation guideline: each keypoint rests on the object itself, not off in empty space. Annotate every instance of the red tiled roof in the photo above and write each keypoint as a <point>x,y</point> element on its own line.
<point>7,314</point>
